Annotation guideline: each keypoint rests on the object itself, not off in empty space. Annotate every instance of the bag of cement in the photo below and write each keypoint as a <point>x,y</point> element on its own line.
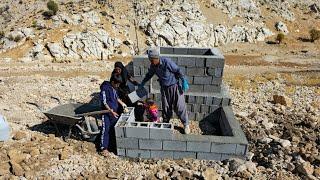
<point>138,94</point>
<point>4,129</point>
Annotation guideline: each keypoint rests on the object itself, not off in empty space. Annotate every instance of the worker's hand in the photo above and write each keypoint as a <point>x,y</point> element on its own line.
<point>135,83</point>
<point>141,85</point>
<point>185,85</point>
<point>124,106</point>
<point>114,114</point>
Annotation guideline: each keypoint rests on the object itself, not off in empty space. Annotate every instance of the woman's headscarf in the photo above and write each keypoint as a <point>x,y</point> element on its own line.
<point>124,72</point>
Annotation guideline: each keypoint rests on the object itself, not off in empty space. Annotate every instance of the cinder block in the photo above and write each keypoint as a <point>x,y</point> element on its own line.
<point>183,70</point>
<point>166,50</point>
<point>199,99</point>
<point>241,149</point>
<point>125,143</point>
<point>155,84</point>
<point>197,51</point>
<point>150,144</point>
<point>162,154</point>
<point>210,71</point>
<point>198,146</point>
<point>202,80</point>
<point>161,131</point>
<point>181,155</point>
<point>138,62</point>
<point>136,71</point>
<point>196,88</point>
<point>120,129</point>
<point>191,116</point>
<point>200,62</point>
<point>208,100</point>
<point>204,108</point>
<point>217,101</point>
<point>121,152</point>
<point>209,156</point>
<point>191,99</point>
<point>223,148</point>
<point>216,81</point>
<point>226,101</point>
<point>189,107</point>
<point>213,108</point>
<point>195,71</point>
<point>183,51</point>
<point>196,108</point>
<point>214,61</point>
<point>218,72</point>
<point>175,145</point>
<point>136,153</point>
<point>137,130</point>
<point>212,88</point>
<point>186,61</point>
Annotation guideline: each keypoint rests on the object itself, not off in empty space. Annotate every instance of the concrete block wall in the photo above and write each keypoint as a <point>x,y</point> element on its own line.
<point>207,99</point>
<point>159,140</point>
<point>204,70</point>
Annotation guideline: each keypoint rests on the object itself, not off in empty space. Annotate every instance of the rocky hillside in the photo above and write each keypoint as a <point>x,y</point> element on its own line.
<point>90,30</point>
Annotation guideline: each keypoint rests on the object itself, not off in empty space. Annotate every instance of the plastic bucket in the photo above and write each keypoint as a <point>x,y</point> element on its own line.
<point>4,129</point>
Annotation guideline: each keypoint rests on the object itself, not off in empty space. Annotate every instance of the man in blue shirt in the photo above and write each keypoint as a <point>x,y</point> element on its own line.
<point>172,96</point>
<point>110,101</point>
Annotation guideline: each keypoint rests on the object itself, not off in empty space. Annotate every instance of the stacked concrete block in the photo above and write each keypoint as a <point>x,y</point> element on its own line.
<point>159,140</point>
<point>206,100</point>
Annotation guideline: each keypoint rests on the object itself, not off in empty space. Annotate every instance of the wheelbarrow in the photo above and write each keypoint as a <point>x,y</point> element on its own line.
<point>76,115</point>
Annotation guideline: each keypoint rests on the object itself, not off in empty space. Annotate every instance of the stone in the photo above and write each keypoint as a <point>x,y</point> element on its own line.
<point>305,168</point>
<point>16,169</point>
<point>280,26</point>
<point>161,174</point>
<point>4,168</point>
<point>186,174</point>
<point>210,174</point>
<point>16,156</point>
<point>19,135</point>
<point>114,175</point>
<point>56,50</point>
<point>63,155</point>
<point>283,100</point>
<point>235,163</point>
<point>317,172</point>
<point>285,143</point>
<point>34,152</point>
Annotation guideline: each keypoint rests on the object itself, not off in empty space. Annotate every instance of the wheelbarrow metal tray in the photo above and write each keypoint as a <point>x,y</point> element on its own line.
<point>66,113</point>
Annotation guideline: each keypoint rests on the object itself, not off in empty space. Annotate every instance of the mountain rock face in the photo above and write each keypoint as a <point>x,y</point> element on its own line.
<point>86,30</point>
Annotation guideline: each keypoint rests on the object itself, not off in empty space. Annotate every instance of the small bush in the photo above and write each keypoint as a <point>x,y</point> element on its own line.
<point>314,35</point>
<point>53,6</point>
<point>10,37</point>
<point>48,13</point>
<point>280,38</point>
<point>17,38</point>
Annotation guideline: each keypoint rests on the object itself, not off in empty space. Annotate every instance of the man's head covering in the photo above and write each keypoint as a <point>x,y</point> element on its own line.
<point>154,52</point>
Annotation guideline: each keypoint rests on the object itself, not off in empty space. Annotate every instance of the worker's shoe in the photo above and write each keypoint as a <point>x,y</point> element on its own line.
<point>186,129</point>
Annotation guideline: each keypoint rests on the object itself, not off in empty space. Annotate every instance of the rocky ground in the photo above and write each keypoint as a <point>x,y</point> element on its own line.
<point>275,88</point>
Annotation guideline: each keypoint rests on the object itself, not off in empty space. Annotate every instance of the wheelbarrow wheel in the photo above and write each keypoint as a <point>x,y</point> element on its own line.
<point>93,127</point>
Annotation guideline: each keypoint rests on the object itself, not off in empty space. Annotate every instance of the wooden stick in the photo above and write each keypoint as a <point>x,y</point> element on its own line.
<point>93,113</point>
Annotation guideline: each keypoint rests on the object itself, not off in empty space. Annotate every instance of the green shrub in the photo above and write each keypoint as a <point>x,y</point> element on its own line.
<point>53,6</point>
<point>314,34</point>
<point>280,38</point>
<point>17,38</point>
<point>10,37</point>
<point>48,13</point>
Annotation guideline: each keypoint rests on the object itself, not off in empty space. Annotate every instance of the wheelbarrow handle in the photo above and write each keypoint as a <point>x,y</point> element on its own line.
<point>93,113</point>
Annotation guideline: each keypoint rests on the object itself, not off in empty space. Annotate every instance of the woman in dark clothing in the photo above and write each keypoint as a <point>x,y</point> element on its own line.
<point>123,90</point>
